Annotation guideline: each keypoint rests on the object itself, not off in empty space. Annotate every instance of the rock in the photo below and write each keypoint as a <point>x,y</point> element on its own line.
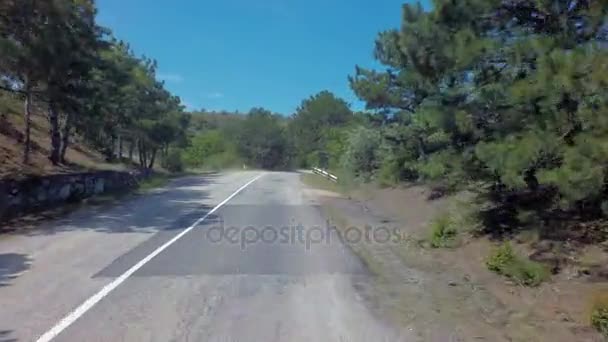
<point>41,196</point>
<point>437,193</point>
<point>99,186</point>
<point>39,193</point>
<point>65,192</point>
<point>14,201</point>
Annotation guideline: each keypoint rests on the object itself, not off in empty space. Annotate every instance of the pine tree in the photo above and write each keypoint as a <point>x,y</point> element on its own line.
<point>506,92</point>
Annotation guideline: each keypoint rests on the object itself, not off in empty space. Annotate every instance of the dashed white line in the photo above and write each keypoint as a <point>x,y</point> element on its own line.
<point>89,303</point>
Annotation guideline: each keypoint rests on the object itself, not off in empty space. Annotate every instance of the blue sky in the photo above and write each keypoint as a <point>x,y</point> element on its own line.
<point>237,54</point>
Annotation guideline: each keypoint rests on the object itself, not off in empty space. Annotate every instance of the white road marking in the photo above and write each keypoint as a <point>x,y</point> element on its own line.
<point>89,303</point>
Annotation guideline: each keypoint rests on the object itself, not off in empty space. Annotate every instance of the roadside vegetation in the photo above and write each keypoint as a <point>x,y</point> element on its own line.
<point>599,313</point>
<point>501,99</point>
<point>57,60</point>
<point>444,233</point>
<point>505,100</point>
<point>155,181</point>
<point>507,262</point>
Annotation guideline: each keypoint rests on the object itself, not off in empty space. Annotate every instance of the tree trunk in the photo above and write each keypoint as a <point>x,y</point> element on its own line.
<point>112,149</point>
<point>55,134</point>
<point>141,158</point>
<point>421,149</point>
<point>65,137</point>
<point>142,155</point>
<point>152,159</point>
<point>28,123</point>
<point>131,149</point>
<point>120,147</point>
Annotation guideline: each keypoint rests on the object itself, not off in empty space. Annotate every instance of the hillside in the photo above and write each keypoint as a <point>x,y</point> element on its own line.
<point>80,157</point>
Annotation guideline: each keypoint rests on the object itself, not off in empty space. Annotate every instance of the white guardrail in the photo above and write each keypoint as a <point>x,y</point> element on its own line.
<point>325,174</point>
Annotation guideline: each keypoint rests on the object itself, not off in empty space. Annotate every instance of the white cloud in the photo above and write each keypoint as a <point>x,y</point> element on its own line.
<point>170,77</point>
<point>214,95</point>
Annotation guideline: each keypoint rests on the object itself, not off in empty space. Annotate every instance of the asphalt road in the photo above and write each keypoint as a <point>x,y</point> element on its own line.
<point>174,266</point>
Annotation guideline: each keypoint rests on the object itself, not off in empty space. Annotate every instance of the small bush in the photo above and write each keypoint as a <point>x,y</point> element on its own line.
<point>443,232</point>
<point>225,160</point>
<point>388,175</point>
<point>506,262</point>
<point>362,155</point>
<point>153,182</point>
<point>173,162</point>
<point>599,313</point>
<point>599,320</point>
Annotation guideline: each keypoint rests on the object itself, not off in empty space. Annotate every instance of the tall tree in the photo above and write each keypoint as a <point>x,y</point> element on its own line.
<point>309,127</point>
<point>72,40</point>
<point>21,28</point>
<point>261,140</point>
<point>508,92</point>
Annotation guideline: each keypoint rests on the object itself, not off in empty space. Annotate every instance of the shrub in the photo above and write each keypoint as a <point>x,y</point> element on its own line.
<point>506,262</point>
<point>599,312</point>
<point>443,232</point>
<point>224,160</point>
<point>362,156</point>
<point>204,145</point>
<point>388,175</point>
<point>173,162</point>
<point>599,320</point>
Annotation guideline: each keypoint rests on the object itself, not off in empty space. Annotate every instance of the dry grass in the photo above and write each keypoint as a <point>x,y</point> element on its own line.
<point>80,157</point>
<point>557,310</point>
<point>319,182</point>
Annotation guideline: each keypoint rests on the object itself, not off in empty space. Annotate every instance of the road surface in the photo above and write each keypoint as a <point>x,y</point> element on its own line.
<point>208,258</point>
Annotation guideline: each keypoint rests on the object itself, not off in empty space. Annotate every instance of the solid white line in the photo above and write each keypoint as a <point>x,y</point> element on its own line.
<point>89,303</point>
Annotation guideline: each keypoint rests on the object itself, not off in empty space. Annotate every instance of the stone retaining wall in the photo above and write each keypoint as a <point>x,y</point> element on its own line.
<point>18,197</point>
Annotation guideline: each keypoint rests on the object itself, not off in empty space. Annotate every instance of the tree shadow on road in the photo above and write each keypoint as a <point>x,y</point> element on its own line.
<point>167,208</point>
<point>5,336</point>
<point>11,266</point>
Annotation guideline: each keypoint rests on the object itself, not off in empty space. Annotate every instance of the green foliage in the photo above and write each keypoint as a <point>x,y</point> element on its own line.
<point>55,56</point>
<point>316,130</point>
<point>204,145</point>
<point>173,162</point>
<point>506,262</point>
<point>599,312</point>
<point>447,229</point>
<point>261,140</point>
<point>599,320</point>
<point>388,174</point>
<point>443,232</point>
<point>486,92</point>
<point>363,152</point>
<point>222,161</point>
<point>213,149</point>
<point>156,180</point>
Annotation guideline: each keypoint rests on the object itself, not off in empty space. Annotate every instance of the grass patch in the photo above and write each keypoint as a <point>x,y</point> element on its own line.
<point>447,228</point>
<point>156,180</point>
<point>443,232</point>
<point>598,313</point>
<point>319,182</point>
<point>599,320</point>
<point>506,262</point>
